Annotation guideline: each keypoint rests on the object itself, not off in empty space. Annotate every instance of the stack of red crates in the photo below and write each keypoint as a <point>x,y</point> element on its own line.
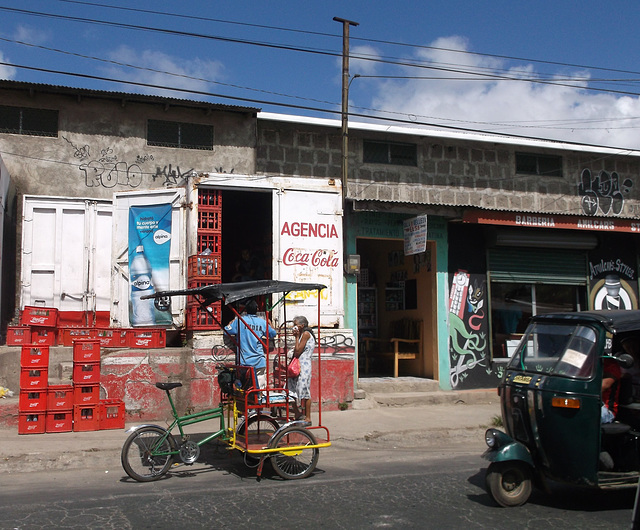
<point>59,408</point>
<point>86,384</point>
<point>34,380</point>
<point>205,268</point>
<point>90,413</point>
<point>37,326</point>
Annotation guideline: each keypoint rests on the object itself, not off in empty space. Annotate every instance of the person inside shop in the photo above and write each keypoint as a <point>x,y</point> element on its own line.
<point>251,350</point>
<point>300,386</point>
<point>248,268</point>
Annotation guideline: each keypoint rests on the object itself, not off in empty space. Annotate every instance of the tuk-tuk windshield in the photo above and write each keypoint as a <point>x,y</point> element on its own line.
<point>567,350</point>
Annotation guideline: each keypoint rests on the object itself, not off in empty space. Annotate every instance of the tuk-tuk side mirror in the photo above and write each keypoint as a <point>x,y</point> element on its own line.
<point>625,360</point>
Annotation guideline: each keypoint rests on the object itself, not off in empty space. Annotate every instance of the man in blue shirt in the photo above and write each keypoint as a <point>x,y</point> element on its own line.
<point>251,350</point>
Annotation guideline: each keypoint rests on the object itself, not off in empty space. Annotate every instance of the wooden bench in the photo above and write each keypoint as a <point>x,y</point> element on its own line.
<point>405,343</point>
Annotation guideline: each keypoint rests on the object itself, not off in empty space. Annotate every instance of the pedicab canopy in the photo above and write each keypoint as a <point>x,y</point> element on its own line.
<point>232,292</point>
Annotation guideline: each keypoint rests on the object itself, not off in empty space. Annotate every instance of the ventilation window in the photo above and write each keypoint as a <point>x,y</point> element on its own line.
<point>390,153</point>
<point>25,120</point>
<point>179,135</point>
<point>543,165</point>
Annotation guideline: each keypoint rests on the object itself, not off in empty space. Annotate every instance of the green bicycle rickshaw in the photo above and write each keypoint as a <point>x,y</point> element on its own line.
<point>292,446</point>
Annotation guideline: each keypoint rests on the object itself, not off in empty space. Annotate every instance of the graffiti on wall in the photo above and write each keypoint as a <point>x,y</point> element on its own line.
<point>105,169</point>
<point>171,176</point>
<point>603,192</point>
<point>468,325</point>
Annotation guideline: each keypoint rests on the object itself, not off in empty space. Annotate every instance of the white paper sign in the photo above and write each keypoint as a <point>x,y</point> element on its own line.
<point>415,235</point>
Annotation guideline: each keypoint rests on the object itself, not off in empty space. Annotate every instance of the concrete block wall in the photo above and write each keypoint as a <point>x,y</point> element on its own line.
<point>449,172</point>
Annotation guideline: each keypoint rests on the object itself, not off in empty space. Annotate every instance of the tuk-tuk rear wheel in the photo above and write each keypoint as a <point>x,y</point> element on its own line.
<point>509,483</point>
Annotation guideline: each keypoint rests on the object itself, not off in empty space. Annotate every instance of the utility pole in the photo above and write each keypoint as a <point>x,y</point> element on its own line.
<point>345,102</point>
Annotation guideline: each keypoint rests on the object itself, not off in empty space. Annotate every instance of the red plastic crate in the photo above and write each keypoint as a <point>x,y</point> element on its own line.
<point>60,397</point>
<point>198,318</point>
<point>147,338</point>
<point>45,336</point>
<point>86,373</point>
<point>86,394</point>
<point>32,401</point>
<point>34,356</point>
<point>205,267</point>
<point>29,423</point>
<point>112,337</point>
<point>59,421</point>
<point>193,300</point>
<point>211,241</point>
<point>111,414</point>
<point>17,335</point>
<point>86,418</point>
<point>39,316</point>
<point>34,378</point>
<point>86,351</point>
<point>209,199</point>
<point>67,336</point>
<point>210,219</point>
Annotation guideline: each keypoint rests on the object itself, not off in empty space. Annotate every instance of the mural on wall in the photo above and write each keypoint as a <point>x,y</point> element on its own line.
<point>468,330</point>
<point>612,282</point>
<point>603,192</point>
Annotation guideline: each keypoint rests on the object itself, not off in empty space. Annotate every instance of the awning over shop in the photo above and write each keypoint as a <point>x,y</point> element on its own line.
<point>539,220</point>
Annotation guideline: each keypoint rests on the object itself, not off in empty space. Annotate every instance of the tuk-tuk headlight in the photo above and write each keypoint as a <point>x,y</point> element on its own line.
<point>490,438</point>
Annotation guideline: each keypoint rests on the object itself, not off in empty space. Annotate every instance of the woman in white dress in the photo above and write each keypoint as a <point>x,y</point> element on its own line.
<point>300,387</point>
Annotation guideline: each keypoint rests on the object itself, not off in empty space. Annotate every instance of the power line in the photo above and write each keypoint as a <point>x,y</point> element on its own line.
<point>481,75</point>
<point>392,61</point>
<point>353,37</point>
<point>315,109</point>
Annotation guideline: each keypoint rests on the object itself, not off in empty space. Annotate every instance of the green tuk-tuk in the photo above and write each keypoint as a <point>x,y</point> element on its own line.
<point>551,402</point>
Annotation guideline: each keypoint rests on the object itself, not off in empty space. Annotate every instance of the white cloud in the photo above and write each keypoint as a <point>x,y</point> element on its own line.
<point>549,111</point>
<point>190,74</point>
<point>6,72</point>
<point>365,66</point>
<point>30,35</point>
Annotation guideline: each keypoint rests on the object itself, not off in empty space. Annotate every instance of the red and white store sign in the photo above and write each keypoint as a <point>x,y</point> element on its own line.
<point>567,222</point>
<point>310,240</point>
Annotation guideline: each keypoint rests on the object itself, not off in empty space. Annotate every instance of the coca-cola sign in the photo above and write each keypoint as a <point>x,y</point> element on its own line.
<point>318,258</point>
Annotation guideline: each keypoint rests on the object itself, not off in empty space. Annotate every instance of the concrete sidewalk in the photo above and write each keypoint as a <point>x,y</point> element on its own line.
<point>436,425</point>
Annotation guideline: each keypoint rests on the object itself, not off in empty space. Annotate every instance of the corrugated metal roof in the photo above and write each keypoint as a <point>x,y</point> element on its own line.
<point>451,135</point>
<point>86,92</point>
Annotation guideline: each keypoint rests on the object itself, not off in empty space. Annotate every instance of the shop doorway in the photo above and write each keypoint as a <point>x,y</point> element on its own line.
<point>247,237</point>
<point>396,295</point>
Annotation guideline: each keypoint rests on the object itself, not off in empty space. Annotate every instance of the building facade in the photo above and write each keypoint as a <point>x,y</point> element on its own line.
<point>511,227</point>
<point>515,227</point>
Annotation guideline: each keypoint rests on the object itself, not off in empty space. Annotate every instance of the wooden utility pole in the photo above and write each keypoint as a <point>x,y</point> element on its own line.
<point>345,101</point>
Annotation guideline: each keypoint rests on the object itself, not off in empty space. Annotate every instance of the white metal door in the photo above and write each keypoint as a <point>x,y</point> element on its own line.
<point>308,246</point>
<point>66,251</point>
<point>177,253</point>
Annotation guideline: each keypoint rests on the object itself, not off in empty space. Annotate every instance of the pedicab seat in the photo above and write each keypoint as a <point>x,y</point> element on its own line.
<point>245,381</point>
<point>168,385</point>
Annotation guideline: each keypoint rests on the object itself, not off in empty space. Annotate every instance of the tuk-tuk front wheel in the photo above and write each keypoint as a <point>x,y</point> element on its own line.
<point>509,483</point>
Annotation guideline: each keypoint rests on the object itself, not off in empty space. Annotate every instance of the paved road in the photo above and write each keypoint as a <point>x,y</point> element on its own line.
<point>354,487</point>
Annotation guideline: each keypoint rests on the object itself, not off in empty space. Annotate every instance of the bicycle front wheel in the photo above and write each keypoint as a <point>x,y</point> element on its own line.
<point>295,463</point>
<point>145,454</point>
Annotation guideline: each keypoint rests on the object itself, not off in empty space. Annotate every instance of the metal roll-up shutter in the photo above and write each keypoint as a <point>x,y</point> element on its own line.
<point>537,265</point>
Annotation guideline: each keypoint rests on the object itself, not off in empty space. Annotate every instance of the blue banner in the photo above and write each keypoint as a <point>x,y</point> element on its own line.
<point>149,246</point>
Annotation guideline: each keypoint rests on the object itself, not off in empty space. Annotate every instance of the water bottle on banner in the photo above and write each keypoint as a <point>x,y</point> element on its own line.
<point>142,313</point>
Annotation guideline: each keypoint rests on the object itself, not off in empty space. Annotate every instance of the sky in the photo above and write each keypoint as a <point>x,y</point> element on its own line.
<point>559,70</point>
